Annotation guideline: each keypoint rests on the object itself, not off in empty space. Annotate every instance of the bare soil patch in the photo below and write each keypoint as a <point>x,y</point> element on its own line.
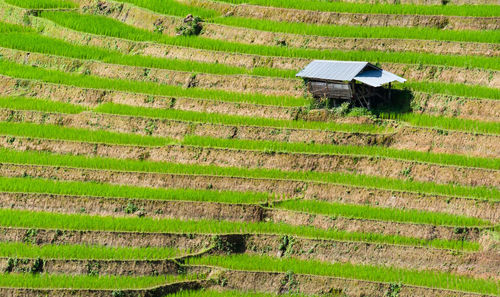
<point>276,283</point>
<point>152,292</point>
<point>96,267</point>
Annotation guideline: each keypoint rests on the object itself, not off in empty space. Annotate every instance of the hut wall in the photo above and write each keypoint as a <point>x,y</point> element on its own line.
<point>330,90</point>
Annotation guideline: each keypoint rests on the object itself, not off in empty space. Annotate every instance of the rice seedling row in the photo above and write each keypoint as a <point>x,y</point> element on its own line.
<point>45,4</point>
<point>393,275</point>
<point>34,42</point>
<point>171,7</point>
<point>37,220</point>
<point>145,162</point>
<point>225,157</point>
<point>359,31</point>
<point>454,89</point>
<point>47,159</point>
<point>48,131</point>
<point>45,281</point>
<point>110,27</point>
<point>19,250</point>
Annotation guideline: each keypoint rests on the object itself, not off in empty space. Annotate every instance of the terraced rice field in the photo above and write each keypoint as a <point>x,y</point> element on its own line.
<point>137,162</point>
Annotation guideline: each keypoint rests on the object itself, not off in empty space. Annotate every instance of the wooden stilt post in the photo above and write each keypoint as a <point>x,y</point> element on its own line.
<point>390,91</point>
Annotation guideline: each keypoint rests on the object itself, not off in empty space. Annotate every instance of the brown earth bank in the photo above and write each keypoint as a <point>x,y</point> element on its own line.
<point>232,83</point>
<point>476,264</point>
<point>193,210</point>
<point>367,165</point>
<point>452,106</point>
<point>410,71</point>
<point>425,103</point>
<point>288,188</point>
<point>150,292</point>
<point>191,242</point>
<point>429,140</point>
<point>350,19</point>
<point>279,283</point>
<point>94,267</point>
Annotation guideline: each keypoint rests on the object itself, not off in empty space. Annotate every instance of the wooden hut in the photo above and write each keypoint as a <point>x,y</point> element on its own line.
<point>357,82</point>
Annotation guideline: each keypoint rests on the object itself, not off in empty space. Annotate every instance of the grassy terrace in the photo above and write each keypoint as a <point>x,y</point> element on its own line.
<point>208,293</point>
<point>37,185</point>
<point>377,213</point>
<point>370,151</point>
<point>488,36</point>
<point>45,4</point>
<point>97,136</point>
<point>46,281</point>
<point>87,252</point>
<point>47,159</point>
<point>27,219</point>
<point>34,42</point>
<point>193,116</point>
<point>447,123</point>
<point>462,10</point>
<point>347,270</point>
<point>223,119</point>
<point>88,81</point>
<point>103,190</point>
<point>105,26</point>
<point>174,8</point>
<point>109,27</point>
<point>47,131</point>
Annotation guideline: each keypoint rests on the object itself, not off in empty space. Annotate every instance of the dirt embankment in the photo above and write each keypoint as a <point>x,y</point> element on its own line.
<point>95,267</point>
<point>279,283</point>
<point>383,167</point>
<point>450,142</point>
<point>432,104</point>
<point>351,19</point>
<point>430,140</point>
<point>287,188</point>
<point>477,264</point>
<point>191,242</point>
<point>192,210</point>
<point>266,282</point>
<point>444,105</point>
<point>233,83</point>
<point>148,292</point>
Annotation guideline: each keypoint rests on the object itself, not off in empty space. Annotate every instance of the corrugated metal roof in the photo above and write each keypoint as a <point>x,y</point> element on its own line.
<point>332,70</point>
<point>376,78</point>
<point>347,71</point>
